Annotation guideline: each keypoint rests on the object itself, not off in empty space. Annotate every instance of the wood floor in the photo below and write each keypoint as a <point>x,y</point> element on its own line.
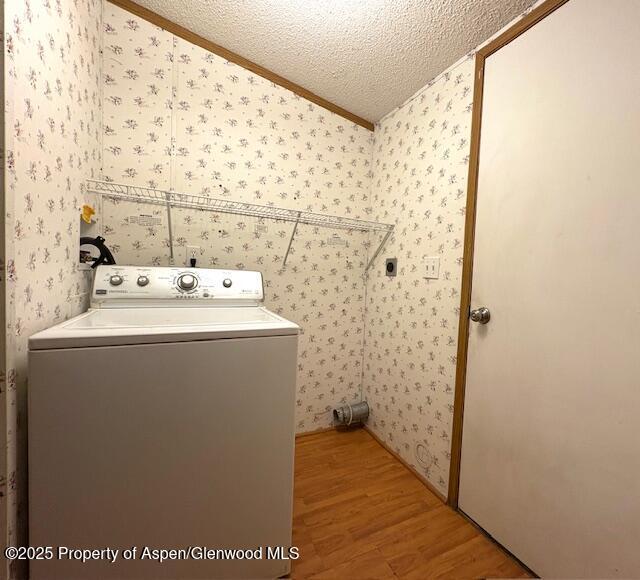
<point>359,513</point>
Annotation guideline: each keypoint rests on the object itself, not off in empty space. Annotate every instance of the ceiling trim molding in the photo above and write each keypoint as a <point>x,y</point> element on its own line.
<point>194,38</point>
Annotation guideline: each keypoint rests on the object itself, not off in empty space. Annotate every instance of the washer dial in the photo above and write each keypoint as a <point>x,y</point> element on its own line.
<point>187,282</point>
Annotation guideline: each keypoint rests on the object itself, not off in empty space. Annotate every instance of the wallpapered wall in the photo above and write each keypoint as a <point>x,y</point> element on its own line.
<point>420,172</point>
<point>420,165</point>
<point>52,134</point>
<point>177,116</point>
<point>3,326</point>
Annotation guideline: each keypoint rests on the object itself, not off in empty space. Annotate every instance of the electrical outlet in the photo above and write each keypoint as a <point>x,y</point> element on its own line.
<point>192,252</point>
<point>391,266</point>
<point>433,268</point>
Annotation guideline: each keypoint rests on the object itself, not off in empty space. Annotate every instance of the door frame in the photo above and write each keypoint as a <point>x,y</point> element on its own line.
<point>530,20</point>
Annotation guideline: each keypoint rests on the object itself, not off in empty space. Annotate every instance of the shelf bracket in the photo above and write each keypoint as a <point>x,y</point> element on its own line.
<point>293,233</point>
<point>172,260</point>
<point>377,252</point>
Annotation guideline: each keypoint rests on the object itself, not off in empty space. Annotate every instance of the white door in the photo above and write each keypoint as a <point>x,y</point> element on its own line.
<point>551,432</point>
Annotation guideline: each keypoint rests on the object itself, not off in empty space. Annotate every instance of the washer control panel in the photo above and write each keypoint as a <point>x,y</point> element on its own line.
<point>174,286</point>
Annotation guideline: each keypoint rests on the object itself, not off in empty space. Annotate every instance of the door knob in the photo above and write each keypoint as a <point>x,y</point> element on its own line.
<point>481,315</point>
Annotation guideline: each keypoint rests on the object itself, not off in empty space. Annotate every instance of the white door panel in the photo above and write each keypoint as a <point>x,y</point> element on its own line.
<point>551,441</point>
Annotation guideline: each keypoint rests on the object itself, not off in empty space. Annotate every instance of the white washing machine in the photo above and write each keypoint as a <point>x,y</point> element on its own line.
<point>163,418</point>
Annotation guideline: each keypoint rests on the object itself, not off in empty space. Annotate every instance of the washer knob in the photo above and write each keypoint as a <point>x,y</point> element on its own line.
<point>187,282</point>
<point>116,280</point>
<point>143,280</point>
<point>226,283</point>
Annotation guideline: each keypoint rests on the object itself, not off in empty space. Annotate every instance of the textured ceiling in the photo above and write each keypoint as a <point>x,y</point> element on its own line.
<point>368,56</point>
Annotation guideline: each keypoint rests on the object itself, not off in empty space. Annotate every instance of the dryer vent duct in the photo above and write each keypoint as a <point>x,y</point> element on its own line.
<point>350,414</point>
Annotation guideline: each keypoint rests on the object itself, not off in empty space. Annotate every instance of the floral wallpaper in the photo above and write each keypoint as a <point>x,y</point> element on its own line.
<point>137,93</point>
<point>420,168</point>
<point>52,136</point>
<point>3,324</point>
<point>177,116</point>
<point>168,114</point>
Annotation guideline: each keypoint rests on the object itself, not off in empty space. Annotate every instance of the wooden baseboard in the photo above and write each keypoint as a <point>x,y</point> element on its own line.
<point>316,432</point>
<point>421,477</point>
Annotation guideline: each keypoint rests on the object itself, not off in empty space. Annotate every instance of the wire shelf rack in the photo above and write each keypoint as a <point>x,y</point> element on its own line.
<point>169,199</point>
<point>162,197</point>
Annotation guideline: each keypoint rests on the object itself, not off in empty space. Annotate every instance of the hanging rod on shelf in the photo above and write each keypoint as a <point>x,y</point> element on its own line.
<point>138,194</point>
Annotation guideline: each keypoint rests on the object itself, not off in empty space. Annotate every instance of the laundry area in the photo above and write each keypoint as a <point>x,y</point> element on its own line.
<point>320,289</point>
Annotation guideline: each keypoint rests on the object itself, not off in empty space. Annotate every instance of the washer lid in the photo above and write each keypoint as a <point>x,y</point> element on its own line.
<point>121,326</point>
